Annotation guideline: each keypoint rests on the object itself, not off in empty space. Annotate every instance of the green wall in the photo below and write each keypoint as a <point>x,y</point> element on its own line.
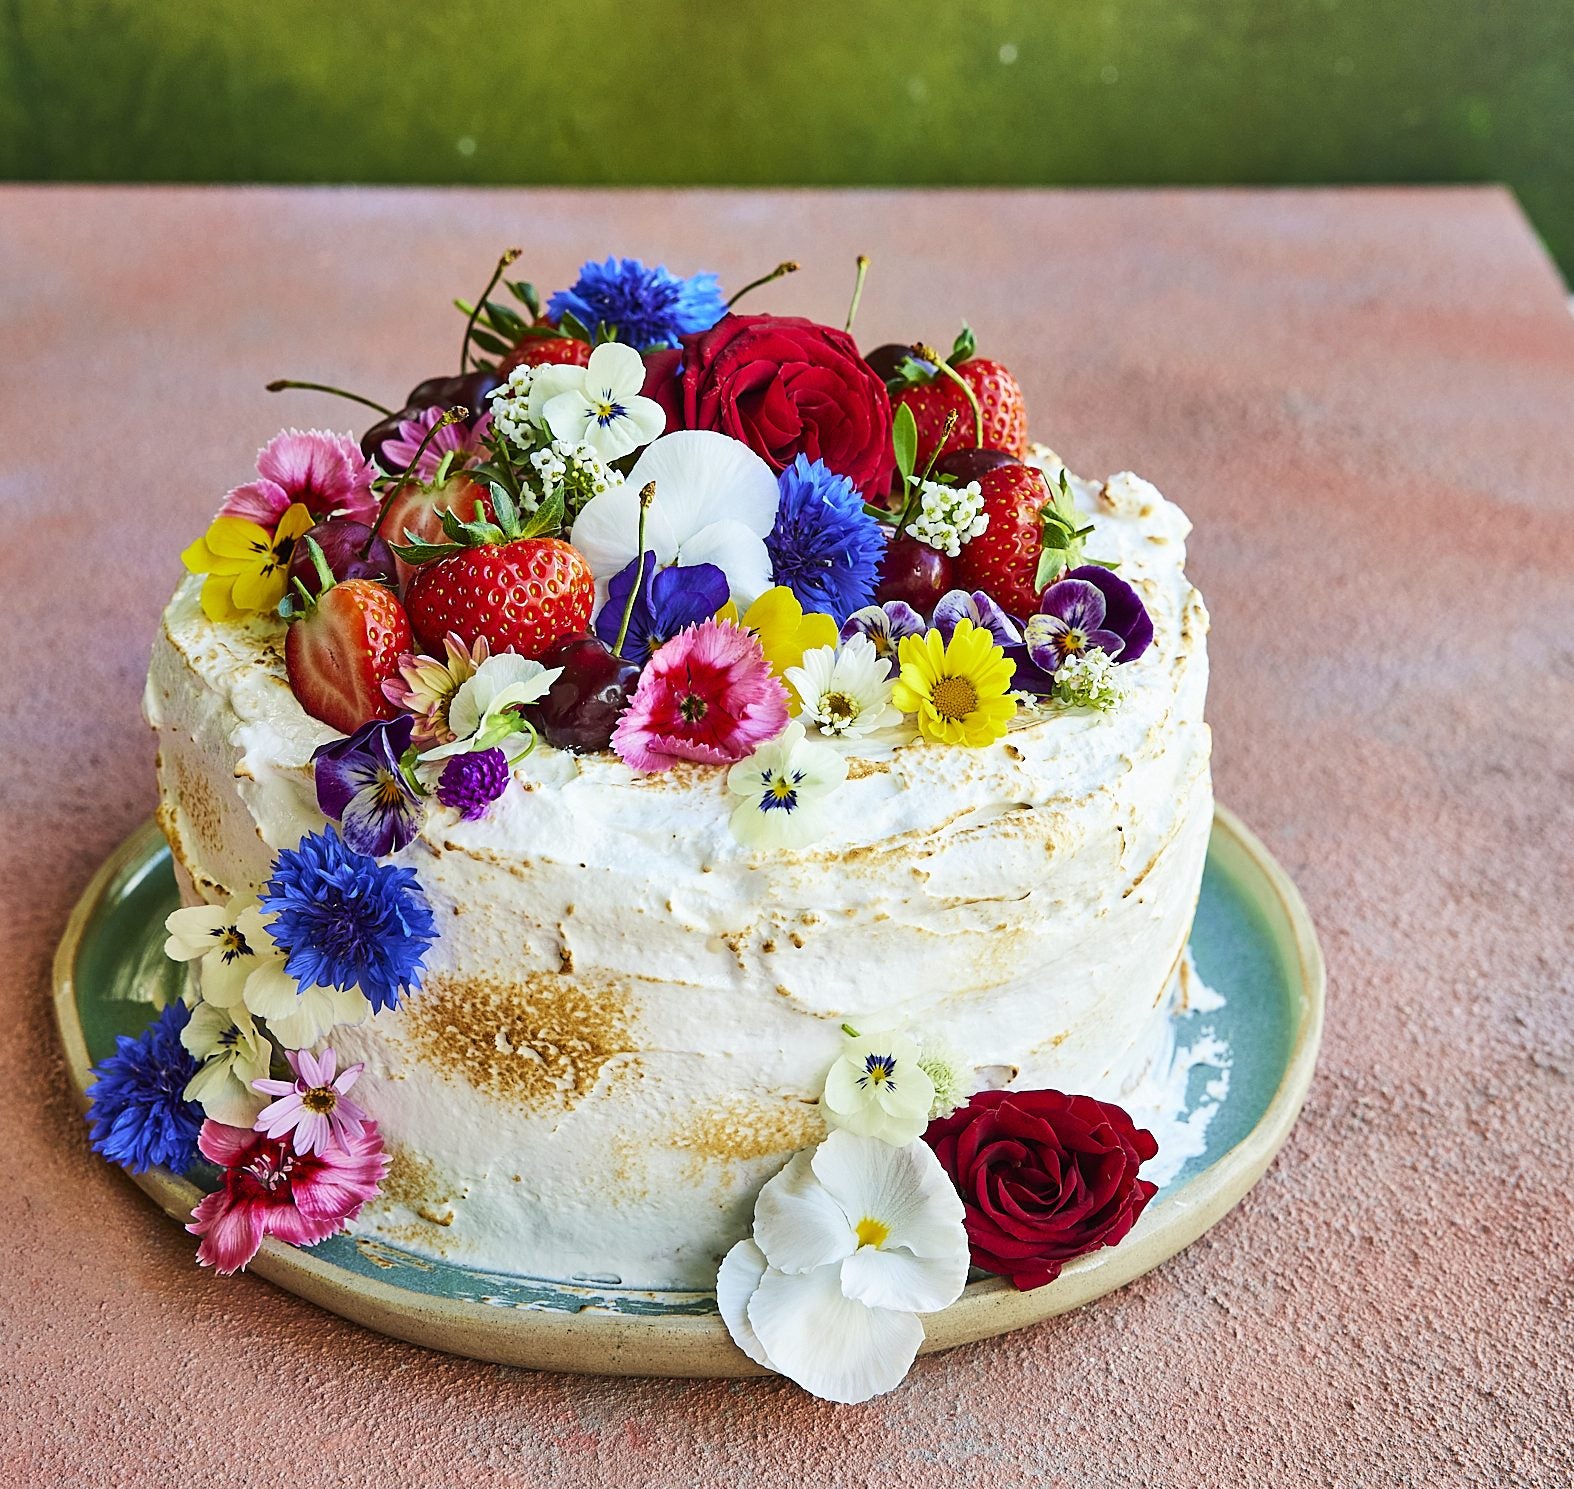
<point>887,91</point>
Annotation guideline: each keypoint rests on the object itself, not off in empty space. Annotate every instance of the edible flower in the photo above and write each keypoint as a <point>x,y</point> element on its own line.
<point>878,1087</point>
<point>138,1113</point>
<point>786,786</point>
<point>325,473</point>
<point>599,404</point>
<point>228,941</point>
<point>269,1189</point>
<point>362,785</point>
<point>948,516</point>
<point>845,691</point>
<point>1069,621</point>
<point>426,686</point>
<point>851,1242</point>
<point>958,689</point>
<point>668,600</point>
<point>231,1053</point>
<point>1089,680</point>
<point>885,626</point>
<point>471,783</point>
<point>824,547</point>
<point>624,300</point>
<point>245,564</point>
<point>299,1015</point>
<point>483,713</point>
<point>312,1110</point>
<point>708,695</point>
<point>463,442</point>
<point>978,607</point>
<point>784,630</point>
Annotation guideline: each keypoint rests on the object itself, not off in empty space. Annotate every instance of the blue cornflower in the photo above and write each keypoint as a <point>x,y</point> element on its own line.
<point>622,300</point>
<point>825,548</point>
<point>344,920</point>
<point>669,599</point>
<point>138,1115</point>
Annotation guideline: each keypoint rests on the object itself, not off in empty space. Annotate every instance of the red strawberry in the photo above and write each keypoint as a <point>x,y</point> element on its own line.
<point>1033,534</point>
<point>537,351</point>
<point>342,647</point>
<point>521,595</point>
<point>1000,402</point>
<point>933,396</point>
<point>418,510</point>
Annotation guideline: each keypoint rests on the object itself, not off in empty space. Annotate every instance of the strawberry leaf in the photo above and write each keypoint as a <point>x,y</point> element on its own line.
<point>963,348</point>
<point>904,439</point>
<point>418,551</point>
<point>546,519</point>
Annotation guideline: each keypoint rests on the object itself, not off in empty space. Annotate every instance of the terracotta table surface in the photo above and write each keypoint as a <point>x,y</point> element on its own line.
<point>1364,399</point>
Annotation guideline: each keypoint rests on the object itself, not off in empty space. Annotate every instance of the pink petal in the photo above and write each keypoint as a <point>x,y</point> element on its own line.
<point>272,1087</point>
<point>230,1233</point>
<point>228,1147</point>
<point>348,1077</point>
<point>262,502</point>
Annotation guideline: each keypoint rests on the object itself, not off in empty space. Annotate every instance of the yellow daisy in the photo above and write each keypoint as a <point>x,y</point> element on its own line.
<point>959,692</point>
<point>785,632</point>
<point>246,565</point>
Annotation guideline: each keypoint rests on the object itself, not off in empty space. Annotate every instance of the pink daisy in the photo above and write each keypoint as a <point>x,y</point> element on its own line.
<point>325,472</point>
<point>707,694</point>
<point>271,1190</point>
<point>312,1110</point>
<point>466,441</point>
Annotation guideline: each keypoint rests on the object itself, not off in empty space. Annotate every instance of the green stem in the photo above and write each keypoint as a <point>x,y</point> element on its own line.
<point>646,497</point>
<point>929,354</point>
<point>449,416</point>
<point>858,290</point>
<point>786,267</point>
<point>278,385</point>
<point>509,255</point>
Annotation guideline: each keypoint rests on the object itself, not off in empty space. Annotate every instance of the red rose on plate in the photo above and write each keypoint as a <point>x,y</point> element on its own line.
<point>786,387</point>
<point>1044,1177</point>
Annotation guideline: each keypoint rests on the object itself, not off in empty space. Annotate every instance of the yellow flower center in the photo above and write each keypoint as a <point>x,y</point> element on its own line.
<point>838,708</point>
<point>871,1232</point>
<point>390,790</point>
<point>320,1100</point>
<point>1071,642</point>
<point>781,788</point>
<point>953,698</point>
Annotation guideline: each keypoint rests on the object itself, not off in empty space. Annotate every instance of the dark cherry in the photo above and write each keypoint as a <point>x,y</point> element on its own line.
<point>344,545</point>
<point>886,359</point>
<point>915,572</point>
<point>969,465</point>
<point>582,706</point>
<point>468,391</point>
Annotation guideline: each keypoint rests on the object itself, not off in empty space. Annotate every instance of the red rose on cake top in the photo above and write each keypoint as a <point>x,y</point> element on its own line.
<point>786,387</point>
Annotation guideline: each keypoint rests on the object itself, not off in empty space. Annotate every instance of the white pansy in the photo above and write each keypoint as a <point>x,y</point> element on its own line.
<point>233,1053</point>
<point>715,503</point>
<point>948,516</point>
<point>298,1017</point>
<point>230,941</point>
<point>786,786</point>
<point>480,713</point>
<point>851,1242</point>
<point>878,1087</point>
<point>846,690</point>
<point>600,404</point>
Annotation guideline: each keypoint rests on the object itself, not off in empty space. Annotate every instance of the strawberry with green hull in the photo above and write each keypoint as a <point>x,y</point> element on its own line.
<point>1034,535</point>
<point>342,645</point>
<point>502,578</point>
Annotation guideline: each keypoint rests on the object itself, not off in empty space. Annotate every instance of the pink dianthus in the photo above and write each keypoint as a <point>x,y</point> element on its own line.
<point>325,472</point>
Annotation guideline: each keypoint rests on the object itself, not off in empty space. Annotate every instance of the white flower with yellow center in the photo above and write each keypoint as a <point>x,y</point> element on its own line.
<point>878,1087</point>
<point>481,713</point>
<point>601,404</point>
<point>846,690</point>
<point>786,786</point>
<point>228,941</point>
<point>851,1243</point>
<point>232,1053</point>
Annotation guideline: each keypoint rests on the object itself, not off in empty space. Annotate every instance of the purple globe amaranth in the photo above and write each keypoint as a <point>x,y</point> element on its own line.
<point>471,783</point>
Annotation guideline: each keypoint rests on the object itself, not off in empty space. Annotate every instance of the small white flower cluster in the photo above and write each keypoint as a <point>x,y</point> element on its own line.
<point>511,409</point>
<point>948,516</point>
<point>1089,679</point>
<point>574,469</point>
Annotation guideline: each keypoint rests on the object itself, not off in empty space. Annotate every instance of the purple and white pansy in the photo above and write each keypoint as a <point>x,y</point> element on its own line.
<point>362,785</point>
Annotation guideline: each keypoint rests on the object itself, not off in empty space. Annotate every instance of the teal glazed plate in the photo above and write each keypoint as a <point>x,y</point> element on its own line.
<point>1252,942</point>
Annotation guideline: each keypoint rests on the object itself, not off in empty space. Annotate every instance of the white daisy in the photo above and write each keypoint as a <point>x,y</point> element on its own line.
<point>481,713</point>
<point>846,690</point>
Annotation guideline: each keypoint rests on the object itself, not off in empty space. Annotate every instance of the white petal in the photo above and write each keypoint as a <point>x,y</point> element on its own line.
<point>191,931</point>
<point>569,416</point>
<point>550,382</point>
<point>250,924</point>
<point>224,982</point>
<point>223,1090</point>
<point>638,422</point>
<point>737,552</point>
<point>905,1189</point>
<point>616,369</point>
<point>271,992</point>
<point>607,532</point>
<point>702,477</point>
<point>741,1271</point>
<point>892,1277</point>
<point>797,1224</point>
<point>320,1011</point>
<point>830,1345</point>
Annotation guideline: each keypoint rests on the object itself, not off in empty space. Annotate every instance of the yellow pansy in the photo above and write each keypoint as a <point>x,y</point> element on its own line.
<point>960,691</point>
<point>785,632</point>
<point>246,565</point>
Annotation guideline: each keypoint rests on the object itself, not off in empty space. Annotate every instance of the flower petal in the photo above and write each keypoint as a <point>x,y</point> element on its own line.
<point>797,1225</point>
<point>892,1277</point>
<point>741,1271</point>
<point>905,1189</point>
<point>702,477</point>
<point>737,552</point>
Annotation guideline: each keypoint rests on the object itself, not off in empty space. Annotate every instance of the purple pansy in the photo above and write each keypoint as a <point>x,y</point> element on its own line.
<point>471,783</point>
<point>1124,612</point>
<point>1069,621</point>
<point>977,607</point>
<point>362,786</point>
<point>885,625</point>
<point>669,600</point>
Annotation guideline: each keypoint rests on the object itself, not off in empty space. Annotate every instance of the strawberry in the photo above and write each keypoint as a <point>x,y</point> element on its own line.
<point>342,646</point>
<point>416,510</point>
<point>932,390</point>
<point>501,579</point>
<point>1032,536</point>
<point>537,351</point>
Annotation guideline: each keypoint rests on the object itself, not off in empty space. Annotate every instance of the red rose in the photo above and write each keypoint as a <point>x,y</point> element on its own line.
<point>1044,1177</point>
<point>785,387</point>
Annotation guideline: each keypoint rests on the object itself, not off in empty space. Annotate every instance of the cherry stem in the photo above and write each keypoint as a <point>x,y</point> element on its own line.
<point>929,354</point>
<point>646,497</point>
<point>781,271</point>
<point>858,290</point>
<point>278,385</point>
<point>448,416</point>
<point>508,257</point>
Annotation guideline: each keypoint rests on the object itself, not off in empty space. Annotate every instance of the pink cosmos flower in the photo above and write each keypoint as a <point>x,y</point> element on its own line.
<point>707,694</point>
<point>312,1110</point>
<point>326,472</point>
<point>465,440</point>
<point>271,1190</point>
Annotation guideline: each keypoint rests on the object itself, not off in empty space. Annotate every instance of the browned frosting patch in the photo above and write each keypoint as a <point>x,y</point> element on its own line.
<point>742,1127</point>
<point>538,1041</point>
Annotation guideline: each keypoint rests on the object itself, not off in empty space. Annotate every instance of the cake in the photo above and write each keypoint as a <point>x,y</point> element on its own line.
<point>742,741</point>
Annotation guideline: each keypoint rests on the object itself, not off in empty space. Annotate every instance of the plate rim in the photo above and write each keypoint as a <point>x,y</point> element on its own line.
<point>600,1342</point>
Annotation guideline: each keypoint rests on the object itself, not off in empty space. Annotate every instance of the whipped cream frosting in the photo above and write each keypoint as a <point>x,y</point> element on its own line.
<point>627,1017</point>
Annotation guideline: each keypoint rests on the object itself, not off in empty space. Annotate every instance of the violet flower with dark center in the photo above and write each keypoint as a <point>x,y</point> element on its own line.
<point>471,783</point>
<point>669,600</point>
<point>362,786</point>
<point>977,607</point>
<point>1124,612</point>
<point>885,625</point>
<point>1069,621</point>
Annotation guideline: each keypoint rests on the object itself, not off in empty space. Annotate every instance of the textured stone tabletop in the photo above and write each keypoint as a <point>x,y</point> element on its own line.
<point>1364,399</point>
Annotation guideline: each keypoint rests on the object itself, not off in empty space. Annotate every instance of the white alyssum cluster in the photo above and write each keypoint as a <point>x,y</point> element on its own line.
<point>574,469</point>
<point>511,409</point>
<point>948,516</point>
<point>1089,679</point>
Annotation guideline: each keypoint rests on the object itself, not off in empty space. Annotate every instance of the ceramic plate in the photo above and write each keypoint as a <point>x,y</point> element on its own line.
<point>1252,942</point>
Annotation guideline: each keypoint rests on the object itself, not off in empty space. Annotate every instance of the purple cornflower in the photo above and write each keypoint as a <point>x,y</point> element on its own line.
<point>471,783</point>
<point>362,786</point>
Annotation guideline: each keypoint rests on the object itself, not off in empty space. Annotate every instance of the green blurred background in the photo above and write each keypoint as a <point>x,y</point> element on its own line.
<point>883,92</point>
